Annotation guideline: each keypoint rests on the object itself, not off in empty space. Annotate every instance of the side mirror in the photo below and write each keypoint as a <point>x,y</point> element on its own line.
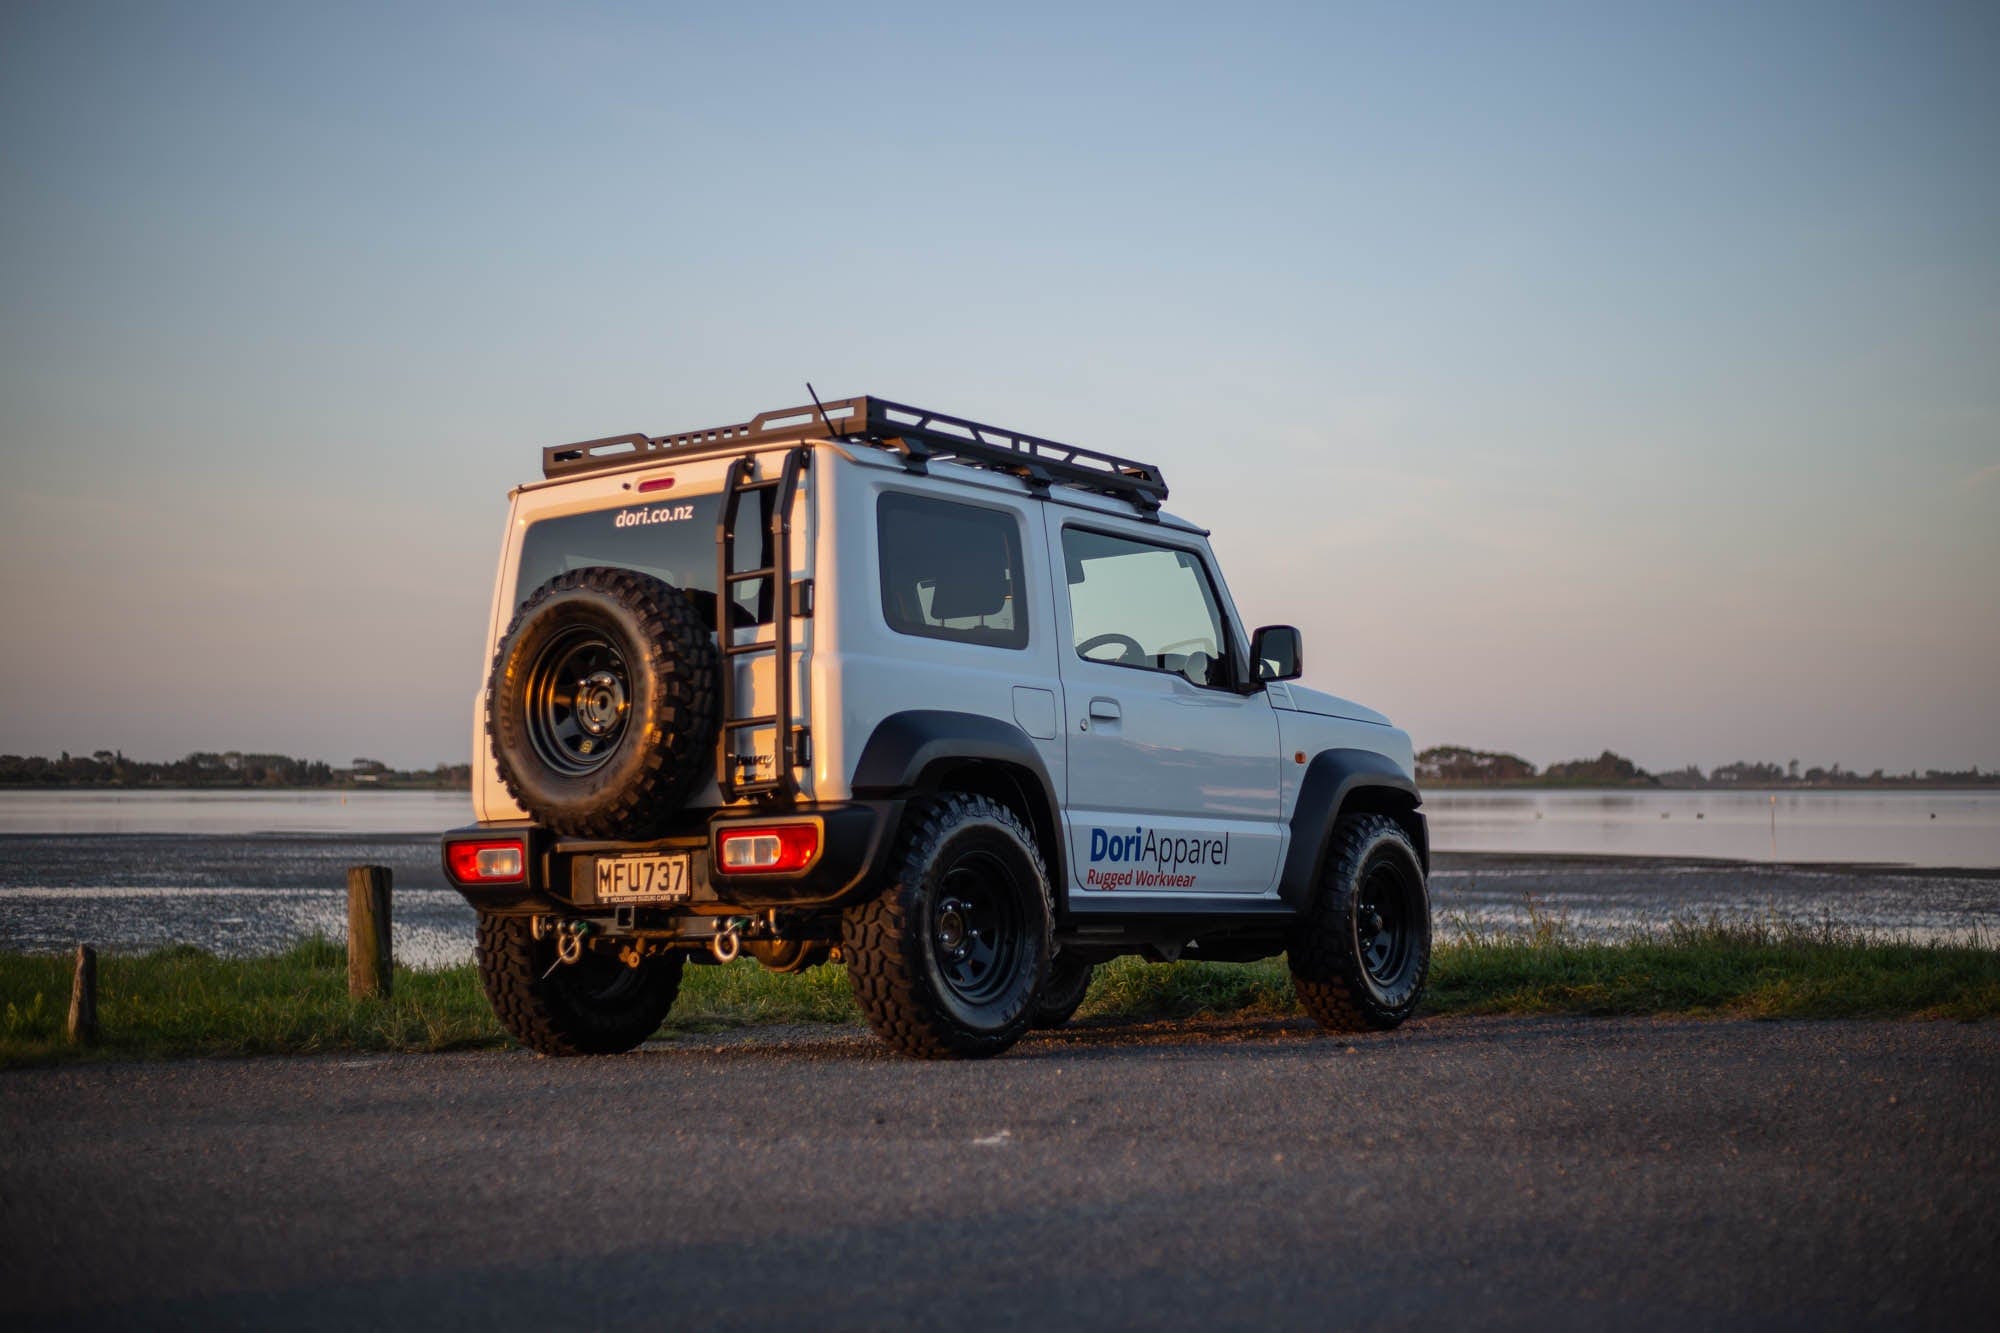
<point>1277,653</point>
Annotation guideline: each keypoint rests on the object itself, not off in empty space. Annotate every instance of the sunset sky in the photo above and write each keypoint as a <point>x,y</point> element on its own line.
<point>1575,375</point>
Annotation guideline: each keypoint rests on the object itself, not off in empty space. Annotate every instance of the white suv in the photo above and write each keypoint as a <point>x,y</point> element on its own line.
<point>960,707</point>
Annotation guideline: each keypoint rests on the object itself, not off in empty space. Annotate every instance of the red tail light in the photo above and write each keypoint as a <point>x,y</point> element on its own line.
<point>766,849</point>
<point>501,861</point>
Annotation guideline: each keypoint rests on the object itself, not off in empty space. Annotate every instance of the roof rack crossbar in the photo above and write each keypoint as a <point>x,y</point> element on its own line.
<point>919,435</point>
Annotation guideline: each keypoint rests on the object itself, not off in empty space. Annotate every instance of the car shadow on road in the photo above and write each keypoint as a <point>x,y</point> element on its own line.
<point>1113,1038</point>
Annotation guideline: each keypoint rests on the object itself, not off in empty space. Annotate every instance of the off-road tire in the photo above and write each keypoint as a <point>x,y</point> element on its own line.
<point>954,854</point>
<point>595,1006</point>
<point>1345,974</point>
<point>657,713</point>
<point>1062,993</point>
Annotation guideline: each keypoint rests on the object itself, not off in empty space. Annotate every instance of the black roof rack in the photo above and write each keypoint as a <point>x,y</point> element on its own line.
<point>920,436</point>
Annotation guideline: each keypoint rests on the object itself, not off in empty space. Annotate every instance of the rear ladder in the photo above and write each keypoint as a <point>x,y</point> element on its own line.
<point>791,746</point>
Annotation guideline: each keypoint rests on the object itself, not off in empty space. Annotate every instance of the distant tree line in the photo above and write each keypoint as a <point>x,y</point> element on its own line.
<point>230,768</point>
<point>1460,766</point>
<point>1457,765</point>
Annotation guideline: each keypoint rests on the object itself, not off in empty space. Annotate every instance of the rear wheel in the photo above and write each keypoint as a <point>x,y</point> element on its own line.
<point>1362,952</point>
<point>594,1006</point>
<point>946,962</point>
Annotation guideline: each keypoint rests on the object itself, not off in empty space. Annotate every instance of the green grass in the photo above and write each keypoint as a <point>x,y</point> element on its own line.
<point>184,1002</point>
<point>1726,970</point>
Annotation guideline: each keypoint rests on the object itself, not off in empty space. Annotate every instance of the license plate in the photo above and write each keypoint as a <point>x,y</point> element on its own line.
<point>653,879</point>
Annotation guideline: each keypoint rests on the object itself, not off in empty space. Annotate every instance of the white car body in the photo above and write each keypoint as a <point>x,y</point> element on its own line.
<point>1183,766</point>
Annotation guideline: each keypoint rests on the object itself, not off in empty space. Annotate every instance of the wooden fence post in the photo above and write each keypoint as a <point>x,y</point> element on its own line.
<point>83,998</point>
<point>369,954</point>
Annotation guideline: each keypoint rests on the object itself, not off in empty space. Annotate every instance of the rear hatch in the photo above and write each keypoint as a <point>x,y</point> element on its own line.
<point>660,522</point>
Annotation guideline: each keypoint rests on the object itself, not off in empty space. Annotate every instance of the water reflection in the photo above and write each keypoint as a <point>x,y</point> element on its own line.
<point>1918,828</point>
<point>139,870</point>
<point>116,811</point>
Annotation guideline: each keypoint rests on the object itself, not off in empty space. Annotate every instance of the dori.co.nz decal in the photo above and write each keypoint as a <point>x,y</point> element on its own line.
<point>639,518</point>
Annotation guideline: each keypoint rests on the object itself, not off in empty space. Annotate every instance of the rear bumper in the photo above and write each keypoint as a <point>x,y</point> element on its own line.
<point>560,873</point>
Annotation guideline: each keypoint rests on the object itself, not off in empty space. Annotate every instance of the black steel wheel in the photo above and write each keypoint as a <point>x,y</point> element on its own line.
<point>947,960</point>
<point>601,705</point>
<point>578,700</point>
<point>978,926</point>
<point>1361,953</point>
<point>1385,908</point>
<point>1062,993</point>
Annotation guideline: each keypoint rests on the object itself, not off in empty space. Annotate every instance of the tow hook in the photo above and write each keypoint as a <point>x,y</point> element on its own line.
<point>726,943</point>
<point>570,936</point>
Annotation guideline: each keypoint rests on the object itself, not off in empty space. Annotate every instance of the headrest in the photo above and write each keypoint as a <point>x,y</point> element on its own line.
<point>965,564</point>
<point>969,584</point>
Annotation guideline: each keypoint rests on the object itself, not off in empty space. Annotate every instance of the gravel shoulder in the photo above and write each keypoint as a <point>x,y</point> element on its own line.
<point>1489,1172</point>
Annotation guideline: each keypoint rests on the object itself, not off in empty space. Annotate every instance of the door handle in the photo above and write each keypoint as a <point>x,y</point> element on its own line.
<point>1105,709</point>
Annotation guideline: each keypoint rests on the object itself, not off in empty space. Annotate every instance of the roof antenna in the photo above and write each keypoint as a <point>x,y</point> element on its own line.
<point>822,411</point>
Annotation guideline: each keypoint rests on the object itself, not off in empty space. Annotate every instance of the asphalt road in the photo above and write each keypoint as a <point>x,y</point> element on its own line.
<point>1480,1173</point>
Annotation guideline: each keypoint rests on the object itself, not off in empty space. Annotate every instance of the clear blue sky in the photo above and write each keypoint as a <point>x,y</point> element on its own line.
<point>1575,375</point>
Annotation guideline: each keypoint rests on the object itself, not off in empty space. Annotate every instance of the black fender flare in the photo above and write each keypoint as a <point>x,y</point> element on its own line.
<point>911,752</point>
<point>1335,781</point>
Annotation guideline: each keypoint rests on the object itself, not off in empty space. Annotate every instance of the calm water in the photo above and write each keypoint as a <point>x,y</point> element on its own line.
<point>1919,828</point>
<point>251,873</point>
<point>1915,828</point>
<point>233,812</point>
<point>236,872</point>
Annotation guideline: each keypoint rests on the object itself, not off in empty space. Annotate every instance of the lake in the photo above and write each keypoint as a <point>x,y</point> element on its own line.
<point>235,872</point>
<point>1916,828</point>
<point>1919,828</point>
<point>245,873</point>
<point>223,812</point>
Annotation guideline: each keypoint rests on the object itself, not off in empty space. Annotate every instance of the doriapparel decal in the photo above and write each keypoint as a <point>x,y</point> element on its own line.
<point>1148,859</point>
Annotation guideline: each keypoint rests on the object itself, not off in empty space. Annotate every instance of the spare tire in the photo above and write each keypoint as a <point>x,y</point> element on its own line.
<point>601,704</point>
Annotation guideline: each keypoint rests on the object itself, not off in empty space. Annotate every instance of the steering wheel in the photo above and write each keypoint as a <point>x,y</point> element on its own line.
<point>1129,648</point>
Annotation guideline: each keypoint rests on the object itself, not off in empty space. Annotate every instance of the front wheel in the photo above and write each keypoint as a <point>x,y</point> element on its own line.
<point>947,960</point>
<point>594,1006</point>
<point>1361,953</point>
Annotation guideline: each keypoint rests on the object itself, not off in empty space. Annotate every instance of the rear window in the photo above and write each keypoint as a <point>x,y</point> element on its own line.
<point>673,540</point>
<point>951,571</point>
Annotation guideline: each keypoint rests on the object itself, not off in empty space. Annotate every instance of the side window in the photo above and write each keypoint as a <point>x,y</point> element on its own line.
<point>1137,605</point>
<point>951,571</point>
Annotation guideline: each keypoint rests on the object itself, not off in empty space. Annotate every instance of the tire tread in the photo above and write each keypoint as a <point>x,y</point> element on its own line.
<point>680,656</point>
<point>1326,973</point>
<point>885,964</point>
<point>536,1011</point>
